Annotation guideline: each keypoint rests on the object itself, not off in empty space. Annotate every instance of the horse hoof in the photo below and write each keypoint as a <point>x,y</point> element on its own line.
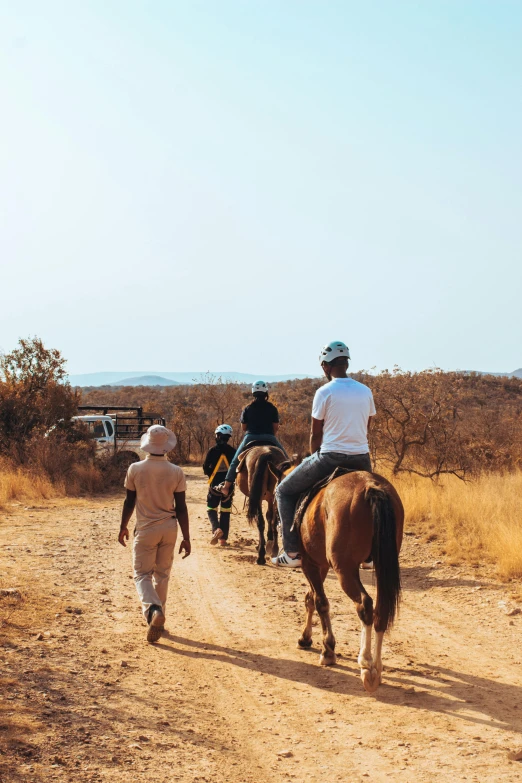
<point>327,659</point>
<point>260,562</point>
<point>371,679</point>
<point>304,644</point>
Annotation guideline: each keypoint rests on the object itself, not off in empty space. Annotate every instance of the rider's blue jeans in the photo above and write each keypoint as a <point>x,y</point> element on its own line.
<point>249,438</point>
<point>309,472</point>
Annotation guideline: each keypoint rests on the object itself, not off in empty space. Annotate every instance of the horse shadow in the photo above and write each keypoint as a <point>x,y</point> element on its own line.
<point>419,578</point>
<point>437,689</point>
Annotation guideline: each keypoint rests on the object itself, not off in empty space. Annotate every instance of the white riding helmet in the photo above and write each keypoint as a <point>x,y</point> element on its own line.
<point>260,386</point>
<point>223,429</point>
<point>333,350</point>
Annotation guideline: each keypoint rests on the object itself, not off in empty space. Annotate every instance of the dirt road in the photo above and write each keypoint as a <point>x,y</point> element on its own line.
<point>226,696</point>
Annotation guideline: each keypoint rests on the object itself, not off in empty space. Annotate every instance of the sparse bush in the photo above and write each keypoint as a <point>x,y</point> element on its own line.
<point>34,396</point>
<point>43,451</point>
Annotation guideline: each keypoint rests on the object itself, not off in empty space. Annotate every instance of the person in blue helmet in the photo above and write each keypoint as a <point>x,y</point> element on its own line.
<point>259,422</point>
<point>341,412</point>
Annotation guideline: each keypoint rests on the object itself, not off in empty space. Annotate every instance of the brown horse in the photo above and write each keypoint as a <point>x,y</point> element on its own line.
<point>356,514</point>
<point>258,471</point>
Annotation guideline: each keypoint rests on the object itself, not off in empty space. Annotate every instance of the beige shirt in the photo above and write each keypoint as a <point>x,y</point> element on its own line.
<point>154,480</point>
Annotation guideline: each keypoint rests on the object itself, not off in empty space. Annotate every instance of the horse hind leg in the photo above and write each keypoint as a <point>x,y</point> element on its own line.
<point>261,550</point>
<point>381,626</point>
<point>365,612</point>
<point>271,546</point>
<point>316,577</point>
<point>305,640</point>
<point>377,652</point>
<point>352,586</point>
<point>328,657</point>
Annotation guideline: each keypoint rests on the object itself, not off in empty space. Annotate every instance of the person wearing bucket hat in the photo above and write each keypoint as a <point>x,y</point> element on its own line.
<point>156,490</point>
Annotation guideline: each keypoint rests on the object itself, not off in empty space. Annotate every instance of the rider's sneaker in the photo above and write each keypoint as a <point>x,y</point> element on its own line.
<point>285,560</point>
<point>367,566</point>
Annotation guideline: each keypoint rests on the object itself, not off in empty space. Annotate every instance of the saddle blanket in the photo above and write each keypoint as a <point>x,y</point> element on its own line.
<point>252,445</point>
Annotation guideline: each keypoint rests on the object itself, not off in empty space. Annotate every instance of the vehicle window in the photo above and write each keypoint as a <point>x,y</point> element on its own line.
<point>96,428</point>
<point>109,428</point>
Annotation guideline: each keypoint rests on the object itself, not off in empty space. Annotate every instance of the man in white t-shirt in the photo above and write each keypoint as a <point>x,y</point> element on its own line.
<point>156,489</point>
<point>339,438</point>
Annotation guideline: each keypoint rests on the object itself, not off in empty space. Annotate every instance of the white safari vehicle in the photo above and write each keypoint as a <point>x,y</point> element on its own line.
<point>118,430</point>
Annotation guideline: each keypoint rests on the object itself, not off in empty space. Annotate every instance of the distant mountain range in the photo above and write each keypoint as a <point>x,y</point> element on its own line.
<point>146,380</point>
<point>137,378</point>
<point>177,378</point>
<point>514,374</point>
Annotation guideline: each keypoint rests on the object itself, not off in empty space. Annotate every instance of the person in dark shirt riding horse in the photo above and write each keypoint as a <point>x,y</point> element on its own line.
<point>259,422</point>
<point>216,464</point>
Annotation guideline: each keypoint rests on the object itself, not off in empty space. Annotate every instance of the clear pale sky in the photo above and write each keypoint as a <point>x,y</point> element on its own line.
<point>228,185</point>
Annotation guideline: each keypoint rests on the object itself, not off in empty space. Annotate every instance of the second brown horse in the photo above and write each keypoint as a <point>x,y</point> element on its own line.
<point>258,471</point>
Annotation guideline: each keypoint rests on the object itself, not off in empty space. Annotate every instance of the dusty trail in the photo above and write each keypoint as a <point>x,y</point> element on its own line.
<point>226,695</point>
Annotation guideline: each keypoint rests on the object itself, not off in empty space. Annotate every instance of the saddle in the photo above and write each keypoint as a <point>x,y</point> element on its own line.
<point>252,445</point>
<point>306,498</point>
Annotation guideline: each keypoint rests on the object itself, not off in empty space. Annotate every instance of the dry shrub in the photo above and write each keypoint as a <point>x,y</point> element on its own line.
<point>477,521</point>
<point>30,484</point>
<point>85,479</point>
<point>17,484</point>
<point>430,422</point>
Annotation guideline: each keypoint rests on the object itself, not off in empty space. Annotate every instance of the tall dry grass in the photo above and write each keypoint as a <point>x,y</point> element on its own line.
<point>22,484</point>
<point>17,484</point>
<point>476,522</point>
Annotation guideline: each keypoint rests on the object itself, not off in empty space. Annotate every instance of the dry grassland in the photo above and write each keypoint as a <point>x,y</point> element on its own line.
<point>478,521</point>
<point>475,522</point>
<point>17,484</point>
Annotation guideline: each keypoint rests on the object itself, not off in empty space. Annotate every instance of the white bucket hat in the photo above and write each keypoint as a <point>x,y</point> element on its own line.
<point>158,440</point>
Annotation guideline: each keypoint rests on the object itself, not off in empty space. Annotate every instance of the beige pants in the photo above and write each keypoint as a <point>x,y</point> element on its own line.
<point>152,556</point>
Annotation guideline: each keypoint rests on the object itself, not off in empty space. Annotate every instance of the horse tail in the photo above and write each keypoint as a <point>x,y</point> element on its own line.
<point>255,492</point>
<point>385,557</point>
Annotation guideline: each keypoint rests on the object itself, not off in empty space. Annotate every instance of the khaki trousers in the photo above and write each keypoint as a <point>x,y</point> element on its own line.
<point>152,557</point>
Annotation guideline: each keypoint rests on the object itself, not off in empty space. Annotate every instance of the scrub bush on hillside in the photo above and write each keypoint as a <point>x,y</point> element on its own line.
<point>430,423</point>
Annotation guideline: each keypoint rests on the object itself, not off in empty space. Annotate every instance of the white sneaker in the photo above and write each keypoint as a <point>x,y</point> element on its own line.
<point>367,566</point>
<point>283,559</point>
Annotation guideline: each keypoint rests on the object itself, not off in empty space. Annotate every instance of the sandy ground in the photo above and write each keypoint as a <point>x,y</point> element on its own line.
<point>226,696</point>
